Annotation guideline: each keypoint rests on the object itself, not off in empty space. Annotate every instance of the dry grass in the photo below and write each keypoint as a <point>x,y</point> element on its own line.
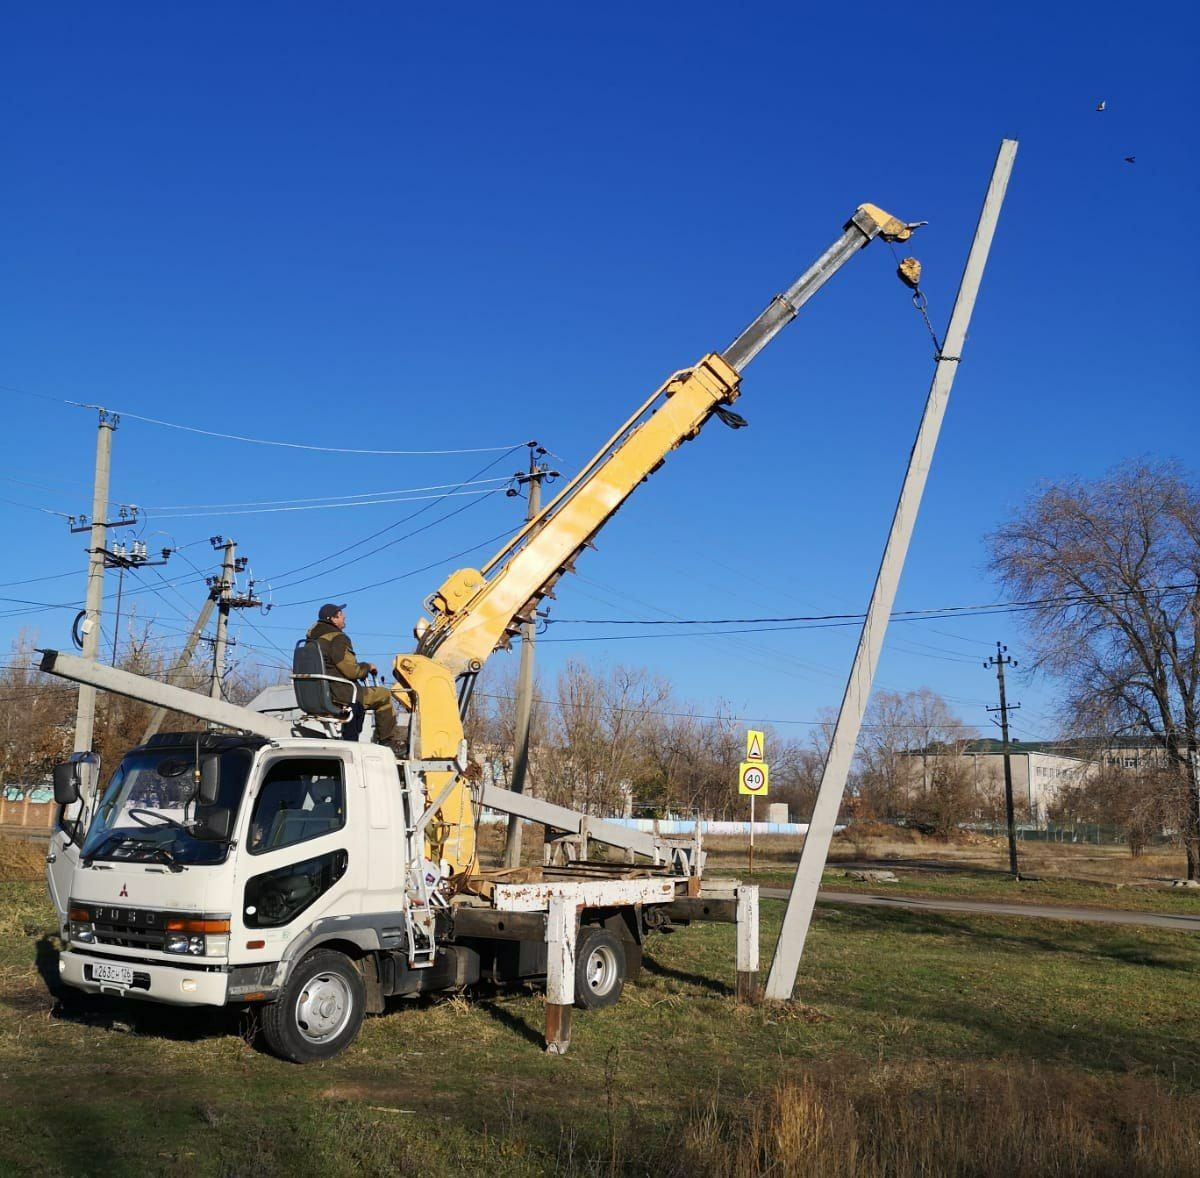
<point>874,843</point>
<point>963,1120</point>
<point>21,860</point>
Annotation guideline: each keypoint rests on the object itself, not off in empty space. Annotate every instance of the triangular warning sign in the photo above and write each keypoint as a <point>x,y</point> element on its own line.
<point>754,746</point>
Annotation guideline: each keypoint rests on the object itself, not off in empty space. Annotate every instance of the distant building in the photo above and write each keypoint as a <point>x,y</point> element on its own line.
<point>1040,769</point>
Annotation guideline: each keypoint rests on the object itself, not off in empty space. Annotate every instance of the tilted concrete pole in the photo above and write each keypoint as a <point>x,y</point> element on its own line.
<point>803,896</point>
<point>181,664</point>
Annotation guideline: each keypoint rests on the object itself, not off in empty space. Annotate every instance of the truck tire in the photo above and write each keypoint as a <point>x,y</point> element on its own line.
<point>319,1011</point>
<point>599,969</point>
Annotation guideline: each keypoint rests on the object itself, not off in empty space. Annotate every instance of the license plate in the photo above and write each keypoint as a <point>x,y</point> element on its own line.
<point>117,975</point>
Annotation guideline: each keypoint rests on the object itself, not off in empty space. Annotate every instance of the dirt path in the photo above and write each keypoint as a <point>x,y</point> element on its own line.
<point>988,908</point>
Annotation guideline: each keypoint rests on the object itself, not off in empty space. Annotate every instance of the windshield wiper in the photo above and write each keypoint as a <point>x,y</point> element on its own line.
<point>166,857</point>
<point>127,842</point>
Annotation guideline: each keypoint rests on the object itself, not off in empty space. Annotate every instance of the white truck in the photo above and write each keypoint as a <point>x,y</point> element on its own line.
<point>271,862</point>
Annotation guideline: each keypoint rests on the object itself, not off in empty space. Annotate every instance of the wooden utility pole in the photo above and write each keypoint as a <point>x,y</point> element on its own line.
<point>803,896</point>
<point>532,481</point>
<point>999,661</point>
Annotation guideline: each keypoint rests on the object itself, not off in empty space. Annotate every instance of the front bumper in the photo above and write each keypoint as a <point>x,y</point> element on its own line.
<point>175,985</point>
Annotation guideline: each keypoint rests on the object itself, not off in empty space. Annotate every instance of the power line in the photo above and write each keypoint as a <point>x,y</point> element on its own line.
<point>731,717</point>
<point>929,614</point>
<point>34,507</point>
<point>401,576</point>
<point>387,528</point>
<point>320,498</point>
<point>245,438</point>
<point>397,540</point>
<point>315,506</point>
<point>209,433</point>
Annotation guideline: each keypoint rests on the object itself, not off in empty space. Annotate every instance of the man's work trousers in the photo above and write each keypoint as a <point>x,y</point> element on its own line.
<point>379,700</point>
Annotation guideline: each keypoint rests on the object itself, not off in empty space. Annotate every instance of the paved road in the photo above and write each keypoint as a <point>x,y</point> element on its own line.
<point>986,908</point>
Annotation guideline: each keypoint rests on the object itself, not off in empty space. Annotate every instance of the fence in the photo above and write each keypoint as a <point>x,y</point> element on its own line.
<point>1096,833</point>
<point>28,813</point>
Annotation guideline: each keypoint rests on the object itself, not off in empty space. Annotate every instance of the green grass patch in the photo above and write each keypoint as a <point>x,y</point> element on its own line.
<point>895,1011</point>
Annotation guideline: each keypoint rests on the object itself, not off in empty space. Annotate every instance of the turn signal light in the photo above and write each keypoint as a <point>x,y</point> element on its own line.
<point>80,914</point>
<point>197,926</point>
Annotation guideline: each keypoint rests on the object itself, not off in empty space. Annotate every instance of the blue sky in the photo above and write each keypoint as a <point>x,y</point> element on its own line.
<point>371,227</point>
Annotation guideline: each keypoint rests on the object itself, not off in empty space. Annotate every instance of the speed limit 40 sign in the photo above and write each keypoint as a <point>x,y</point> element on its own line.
<point>753,778</point>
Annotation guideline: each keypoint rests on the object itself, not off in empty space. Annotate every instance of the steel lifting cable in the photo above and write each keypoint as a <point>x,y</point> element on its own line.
<point>908,270</point>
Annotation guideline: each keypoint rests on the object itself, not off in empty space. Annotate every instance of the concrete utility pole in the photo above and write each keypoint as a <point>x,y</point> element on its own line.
<point>223,592</point>
<point>179,666</point>
<point>533,482</point>
<point>97,526</point>
<point>999,661</point>
<point>798,917</point>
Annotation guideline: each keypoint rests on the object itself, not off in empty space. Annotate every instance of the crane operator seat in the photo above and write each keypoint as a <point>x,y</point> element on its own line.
<point>314,685</point>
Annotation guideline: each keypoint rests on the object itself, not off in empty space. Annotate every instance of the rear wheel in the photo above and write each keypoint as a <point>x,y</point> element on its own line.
<point>319,1011</point>
<point>599,969</point>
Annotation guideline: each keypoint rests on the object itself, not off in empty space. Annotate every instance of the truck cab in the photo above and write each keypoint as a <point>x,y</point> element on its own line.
<point>196,897</point>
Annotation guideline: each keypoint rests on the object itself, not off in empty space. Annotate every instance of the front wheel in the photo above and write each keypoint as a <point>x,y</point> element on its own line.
<point>599,969</point>
<point>319,1011</point>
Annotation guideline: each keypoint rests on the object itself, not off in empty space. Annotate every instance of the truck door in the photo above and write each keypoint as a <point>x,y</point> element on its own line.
<point>61,860</point>
<point>297,852</point>
<point>70,825</point>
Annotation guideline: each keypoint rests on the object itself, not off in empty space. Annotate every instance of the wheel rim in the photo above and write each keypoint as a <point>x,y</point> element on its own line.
<point>601,969</point>
<point>323,1008</point>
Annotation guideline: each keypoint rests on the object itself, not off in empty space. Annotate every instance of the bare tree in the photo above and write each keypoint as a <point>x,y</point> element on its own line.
<point>904,738</point>
<point>691,762</point>
<point>1114,569</point>
<point>36,713</point>
<point>593,754</point>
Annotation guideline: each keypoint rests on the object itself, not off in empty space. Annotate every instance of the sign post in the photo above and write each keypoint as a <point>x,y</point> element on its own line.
<point>754,778</point>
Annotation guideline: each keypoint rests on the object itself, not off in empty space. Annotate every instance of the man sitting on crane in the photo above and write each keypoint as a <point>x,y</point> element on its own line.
<point>340,659</point>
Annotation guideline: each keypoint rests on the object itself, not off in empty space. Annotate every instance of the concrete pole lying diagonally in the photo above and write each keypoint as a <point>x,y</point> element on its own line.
<point>798,916</point>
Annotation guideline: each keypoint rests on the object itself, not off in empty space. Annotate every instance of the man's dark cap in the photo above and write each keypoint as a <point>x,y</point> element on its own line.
<point>328,611</point>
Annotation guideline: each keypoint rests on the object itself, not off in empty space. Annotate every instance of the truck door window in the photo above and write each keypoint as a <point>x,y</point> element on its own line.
<point>301,798</point>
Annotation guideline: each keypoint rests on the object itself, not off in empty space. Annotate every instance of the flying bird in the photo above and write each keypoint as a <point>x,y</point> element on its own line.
<point>1101,104</point>
<point>1130,159</point>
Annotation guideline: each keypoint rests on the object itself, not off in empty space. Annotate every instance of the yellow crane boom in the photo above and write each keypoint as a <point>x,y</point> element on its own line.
<point>477,610</point>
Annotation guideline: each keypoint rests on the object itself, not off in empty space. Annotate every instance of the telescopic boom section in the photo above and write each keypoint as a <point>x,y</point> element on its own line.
<point>477,610</point>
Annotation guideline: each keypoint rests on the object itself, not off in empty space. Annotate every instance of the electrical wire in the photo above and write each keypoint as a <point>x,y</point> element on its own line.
<point>382,531</point>
<point>321,498</point>
<point>401,576</point>
<point>932,613</point>
<point>314,506</point>
<point>34,507</point>
<point>209,433</point>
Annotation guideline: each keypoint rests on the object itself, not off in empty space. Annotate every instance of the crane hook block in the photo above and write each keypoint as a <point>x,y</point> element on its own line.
<point>909,272</point>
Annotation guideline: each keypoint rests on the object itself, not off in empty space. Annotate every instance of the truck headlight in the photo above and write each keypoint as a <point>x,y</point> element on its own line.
<point>190,943</point>
<point>83,932</point>
<point>197,937</point>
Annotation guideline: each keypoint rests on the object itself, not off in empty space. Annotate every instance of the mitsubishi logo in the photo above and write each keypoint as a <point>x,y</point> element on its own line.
<point>124,891</point>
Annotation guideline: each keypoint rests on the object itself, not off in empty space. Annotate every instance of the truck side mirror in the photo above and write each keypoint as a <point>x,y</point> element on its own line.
<point>210,781</point>
<point>66,783</point>
<point>216,823</point>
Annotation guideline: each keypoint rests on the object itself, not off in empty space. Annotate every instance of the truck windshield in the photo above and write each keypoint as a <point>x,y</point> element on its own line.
<point>149,812</point>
